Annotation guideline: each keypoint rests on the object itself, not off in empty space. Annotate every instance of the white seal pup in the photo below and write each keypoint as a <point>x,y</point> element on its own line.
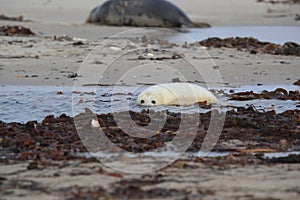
<point>183,94</point>
<point>141,13</point>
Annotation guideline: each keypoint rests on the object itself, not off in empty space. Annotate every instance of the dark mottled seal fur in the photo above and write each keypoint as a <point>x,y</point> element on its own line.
<point>143,13</point>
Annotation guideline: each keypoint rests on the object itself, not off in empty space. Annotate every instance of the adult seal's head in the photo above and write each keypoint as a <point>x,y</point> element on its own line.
<point>142,13</point>
<point>100,13</point>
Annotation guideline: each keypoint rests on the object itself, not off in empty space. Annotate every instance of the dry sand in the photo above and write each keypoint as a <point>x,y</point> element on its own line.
<point>52,61</point>
<point>43,61</point>
<point>40,60</point>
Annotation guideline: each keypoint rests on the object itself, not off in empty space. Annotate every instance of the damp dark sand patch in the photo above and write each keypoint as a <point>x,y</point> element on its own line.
<point>253,45</point>
<point>19,18</point>
<point>6,18</point>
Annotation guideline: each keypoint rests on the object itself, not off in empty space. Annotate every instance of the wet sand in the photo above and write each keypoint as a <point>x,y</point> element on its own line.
<point>35,165</point>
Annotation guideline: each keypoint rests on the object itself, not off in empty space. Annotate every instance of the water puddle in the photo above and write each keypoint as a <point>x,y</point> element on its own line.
<point>261,104</point>
<point>275,34</point>
<point>102,154</point>
<point>24,103</point>
<point>280,154</point>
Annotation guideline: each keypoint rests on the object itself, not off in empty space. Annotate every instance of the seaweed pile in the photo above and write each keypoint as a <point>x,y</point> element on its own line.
<point>279,93</point>
<point>253,45</point>
<point>291,2</point>
<point>57,139</point>
<point>15,31</point>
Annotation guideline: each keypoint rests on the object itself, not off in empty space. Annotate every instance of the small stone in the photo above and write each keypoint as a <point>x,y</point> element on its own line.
<point>95,124</point>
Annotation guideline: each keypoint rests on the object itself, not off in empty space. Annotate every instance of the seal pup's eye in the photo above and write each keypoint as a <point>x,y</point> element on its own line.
<point>153,102</point>
<point>142,101</point>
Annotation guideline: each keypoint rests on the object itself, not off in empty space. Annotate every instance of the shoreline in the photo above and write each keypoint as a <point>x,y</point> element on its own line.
<point>99,98</point>
<point>45,165</point>
<point>39,160</point>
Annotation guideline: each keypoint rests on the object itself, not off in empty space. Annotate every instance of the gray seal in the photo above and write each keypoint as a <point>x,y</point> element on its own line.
<point>141,13</point>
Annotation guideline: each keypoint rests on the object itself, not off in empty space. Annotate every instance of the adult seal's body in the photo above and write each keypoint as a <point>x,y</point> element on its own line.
<point>183,94</point>
<point>143,13</point>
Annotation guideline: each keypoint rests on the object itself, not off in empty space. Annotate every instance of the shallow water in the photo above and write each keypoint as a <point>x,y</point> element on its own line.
<point>212,154</point>
<point>102,154</point>
<point>280,154</point>
<point>24,103</point>
<point>275,34</point>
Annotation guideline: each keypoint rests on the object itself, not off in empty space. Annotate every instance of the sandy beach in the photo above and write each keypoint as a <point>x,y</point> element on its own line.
<point>67,52</point>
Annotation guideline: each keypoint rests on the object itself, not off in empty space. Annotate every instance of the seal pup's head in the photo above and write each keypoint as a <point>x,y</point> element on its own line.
<point>149,98</point>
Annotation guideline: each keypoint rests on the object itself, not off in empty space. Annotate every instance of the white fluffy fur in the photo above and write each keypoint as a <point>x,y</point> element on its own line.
<point>175,94</point>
